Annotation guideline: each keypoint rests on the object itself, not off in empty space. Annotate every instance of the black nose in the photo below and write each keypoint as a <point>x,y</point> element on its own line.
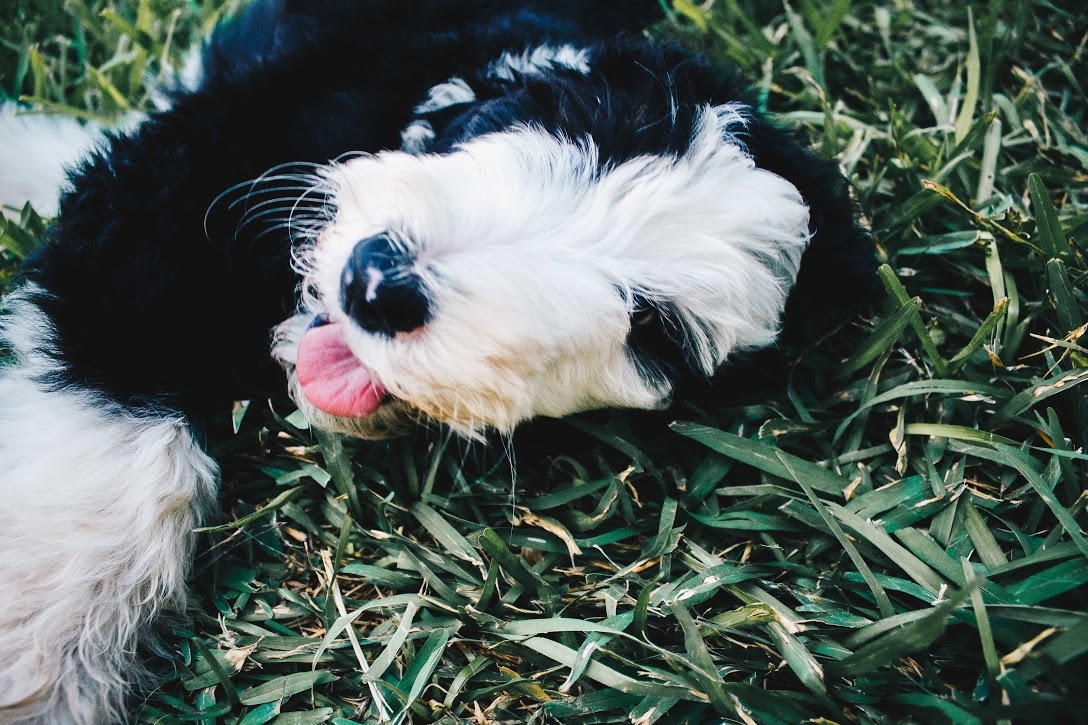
<point>380,292</point>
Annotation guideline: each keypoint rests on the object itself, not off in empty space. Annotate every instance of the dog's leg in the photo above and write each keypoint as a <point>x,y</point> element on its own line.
<point>97,509</point>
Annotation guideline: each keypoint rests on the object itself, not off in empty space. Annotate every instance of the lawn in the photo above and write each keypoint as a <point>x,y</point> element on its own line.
<point>898,537</point>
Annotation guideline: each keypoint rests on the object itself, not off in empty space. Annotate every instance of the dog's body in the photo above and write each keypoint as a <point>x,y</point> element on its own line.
<point>569,223</point>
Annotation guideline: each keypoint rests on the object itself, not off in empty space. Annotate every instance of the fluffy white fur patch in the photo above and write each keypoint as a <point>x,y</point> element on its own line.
<point>417,137</point>
<point>450,93</point>
<point>532,252</point>
<point>35,154</point>
<point>540,59</point>
<point>97,509</point>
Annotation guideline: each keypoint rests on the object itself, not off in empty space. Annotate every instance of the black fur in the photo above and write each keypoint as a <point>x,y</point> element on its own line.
<point>156,311</point>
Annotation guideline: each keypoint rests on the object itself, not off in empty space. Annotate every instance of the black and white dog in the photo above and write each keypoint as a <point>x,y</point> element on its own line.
<point>478,212</point>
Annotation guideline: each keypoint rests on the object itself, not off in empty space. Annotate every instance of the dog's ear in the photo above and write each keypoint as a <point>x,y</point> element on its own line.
<point>838,270</point>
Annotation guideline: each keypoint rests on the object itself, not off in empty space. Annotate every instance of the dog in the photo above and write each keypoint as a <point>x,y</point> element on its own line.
<point>470,213</point>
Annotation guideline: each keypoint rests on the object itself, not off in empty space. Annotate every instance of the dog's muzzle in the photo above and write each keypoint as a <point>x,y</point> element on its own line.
<point>380,292</point>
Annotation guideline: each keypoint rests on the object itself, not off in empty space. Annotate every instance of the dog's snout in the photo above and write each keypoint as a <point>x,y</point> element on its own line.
<point>379,290</point>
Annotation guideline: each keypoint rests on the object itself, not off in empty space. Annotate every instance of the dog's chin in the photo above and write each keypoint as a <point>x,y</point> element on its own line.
<point>386,417</point>
<point>392,418</point>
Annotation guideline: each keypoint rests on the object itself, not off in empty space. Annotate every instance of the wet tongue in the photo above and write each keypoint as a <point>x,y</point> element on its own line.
<point>332,378</point>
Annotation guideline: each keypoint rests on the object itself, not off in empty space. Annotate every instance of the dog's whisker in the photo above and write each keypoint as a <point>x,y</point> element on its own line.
<point>277,190</point>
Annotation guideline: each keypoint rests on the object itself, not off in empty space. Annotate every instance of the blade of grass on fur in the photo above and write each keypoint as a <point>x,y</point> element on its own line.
<point>882,338</point>
<point>881,597</point>
<point>45,106</point>
<point>766,458</point>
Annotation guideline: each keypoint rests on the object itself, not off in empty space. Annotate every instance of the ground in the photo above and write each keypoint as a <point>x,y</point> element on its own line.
<point>896,538</point>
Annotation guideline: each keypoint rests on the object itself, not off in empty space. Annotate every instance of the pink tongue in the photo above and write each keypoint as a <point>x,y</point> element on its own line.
<point>332,378</point>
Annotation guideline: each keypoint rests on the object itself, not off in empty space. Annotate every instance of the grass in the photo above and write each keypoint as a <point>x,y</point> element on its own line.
<point>897,538</point>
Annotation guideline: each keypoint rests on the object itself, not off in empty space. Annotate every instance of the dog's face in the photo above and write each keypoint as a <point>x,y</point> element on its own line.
<point>529,256</point>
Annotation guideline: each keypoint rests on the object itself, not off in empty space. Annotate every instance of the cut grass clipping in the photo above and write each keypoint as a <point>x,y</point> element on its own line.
<point>896,538</point>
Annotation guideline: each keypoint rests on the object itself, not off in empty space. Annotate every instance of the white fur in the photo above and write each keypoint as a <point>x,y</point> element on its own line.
<point>531,253</point>
<point>540,59</point>
<point>97,508</point>
<point>189,76</point>
<point>417,137</point>
<point>450,93</point>
<point>35,153</point>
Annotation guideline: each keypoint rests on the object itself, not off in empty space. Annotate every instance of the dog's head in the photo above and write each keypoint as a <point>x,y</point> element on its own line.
<point>566,229</point>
